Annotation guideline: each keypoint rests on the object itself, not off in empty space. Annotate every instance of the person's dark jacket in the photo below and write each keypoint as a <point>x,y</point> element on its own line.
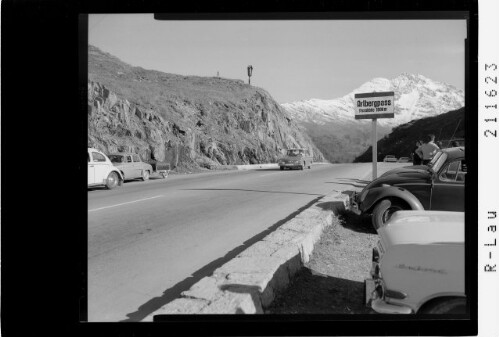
<point>416,159</point>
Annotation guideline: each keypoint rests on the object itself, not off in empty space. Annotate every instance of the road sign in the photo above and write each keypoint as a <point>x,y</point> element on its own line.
<point>374,105</point>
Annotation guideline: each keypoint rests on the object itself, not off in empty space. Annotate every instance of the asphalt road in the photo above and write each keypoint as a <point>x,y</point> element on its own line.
<point>149,241</point>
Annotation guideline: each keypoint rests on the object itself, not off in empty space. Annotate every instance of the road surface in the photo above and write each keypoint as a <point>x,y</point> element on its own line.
<point>149,241</point>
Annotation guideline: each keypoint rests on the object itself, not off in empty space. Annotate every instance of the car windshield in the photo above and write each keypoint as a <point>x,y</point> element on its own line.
<point>115,158</point>
<point>390,156</point>
<point>437,161</point>
<point>293,153</point>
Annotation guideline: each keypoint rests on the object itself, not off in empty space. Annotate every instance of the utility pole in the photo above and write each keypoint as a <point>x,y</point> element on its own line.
<point>250,71</point>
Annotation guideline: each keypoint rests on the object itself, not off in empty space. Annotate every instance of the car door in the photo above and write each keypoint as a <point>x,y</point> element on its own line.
<point>91,170</point>
<point>128,170</point>
<point>101,167</point>
<point>448,187</point>
<point>137,165</point>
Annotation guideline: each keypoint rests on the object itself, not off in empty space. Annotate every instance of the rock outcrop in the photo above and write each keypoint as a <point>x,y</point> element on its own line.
<point>188,121</point>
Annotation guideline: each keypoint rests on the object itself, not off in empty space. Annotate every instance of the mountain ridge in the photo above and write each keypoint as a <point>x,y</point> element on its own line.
<point>190,121</point>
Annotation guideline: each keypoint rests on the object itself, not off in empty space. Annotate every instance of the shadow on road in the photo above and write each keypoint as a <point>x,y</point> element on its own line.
<point>314,293</point>
<point>243,190</point>
<point>174,292</point>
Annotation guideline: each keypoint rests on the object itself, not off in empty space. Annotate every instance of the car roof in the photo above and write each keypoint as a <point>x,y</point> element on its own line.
<point>454,152</point>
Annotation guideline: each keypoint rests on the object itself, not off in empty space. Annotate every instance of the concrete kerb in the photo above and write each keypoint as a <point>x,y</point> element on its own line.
<point>249,282</point>
<point>257,166</point>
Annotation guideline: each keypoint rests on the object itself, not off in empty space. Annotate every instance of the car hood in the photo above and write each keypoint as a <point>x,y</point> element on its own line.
<point>423,227</point>
<point>421,174</point>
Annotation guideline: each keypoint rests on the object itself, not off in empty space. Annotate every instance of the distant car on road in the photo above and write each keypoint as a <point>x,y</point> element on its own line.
<point>390,159</point>
<point>418,265</point>
<point>131,166</point>
<point>295,158</point>
<point>101,170</point>
<point>436,186</point>
<point>404,160</point>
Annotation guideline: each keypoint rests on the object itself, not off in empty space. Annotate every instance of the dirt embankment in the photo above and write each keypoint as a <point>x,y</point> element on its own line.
<point>333,280</point>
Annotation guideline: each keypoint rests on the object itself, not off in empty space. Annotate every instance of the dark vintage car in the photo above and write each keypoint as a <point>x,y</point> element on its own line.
<point>436,186</point>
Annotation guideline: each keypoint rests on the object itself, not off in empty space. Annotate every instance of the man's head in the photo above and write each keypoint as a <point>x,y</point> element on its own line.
<point>454,143</point>
<point>430,138</point>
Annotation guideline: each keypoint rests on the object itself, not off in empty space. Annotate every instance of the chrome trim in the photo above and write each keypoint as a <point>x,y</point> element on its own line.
<point>382,307</point>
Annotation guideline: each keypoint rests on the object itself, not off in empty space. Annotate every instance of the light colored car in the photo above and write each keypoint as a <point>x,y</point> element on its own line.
<point>295,158</point>
<point>390,159</point>
<point>101,170</point>
<point>404,160</point>
<point>418,265</point>
<point>131,166</point>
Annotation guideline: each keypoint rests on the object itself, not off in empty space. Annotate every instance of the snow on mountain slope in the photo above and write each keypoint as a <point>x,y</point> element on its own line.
<point>416,96</point>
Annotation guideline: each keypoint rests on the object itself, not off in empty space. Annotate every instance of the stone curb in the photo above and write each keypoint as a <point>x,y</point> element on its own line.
<point>249,282</point>
<point>256,166</point>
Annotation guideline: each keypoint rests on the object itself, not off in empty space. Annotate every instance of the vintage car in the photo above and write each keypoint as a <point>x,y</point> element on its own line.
<point>101,170</point>
<point>390,159</point>
<point>131,166</point>
<point>436,186</point>
<point>295,158</point>
<point>418,265</point>
<point>404,160</point>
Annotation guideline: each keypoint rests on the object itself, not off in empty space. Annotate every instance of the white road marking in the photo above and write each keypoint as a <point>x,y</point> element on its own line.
<point>124,203</point>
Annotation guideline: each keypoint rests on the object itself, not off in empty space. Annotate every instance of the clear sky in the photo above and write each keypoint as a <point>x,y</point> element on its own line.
<point>292,60</point>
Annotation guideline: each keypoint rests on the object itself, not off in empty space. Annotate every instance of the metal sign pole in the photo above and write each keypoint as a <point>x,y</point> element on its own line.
<point>375,149</point>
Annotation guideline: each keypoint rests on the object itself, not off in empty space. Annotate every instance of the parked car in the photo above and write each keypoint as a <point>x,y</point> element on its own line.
<point>390,159</point>
<point>418,265</point>
<point>131,166</point>
<point>404,160</point>
<point>436,186</point>
<point>295,158</point>
<point>101,170</point>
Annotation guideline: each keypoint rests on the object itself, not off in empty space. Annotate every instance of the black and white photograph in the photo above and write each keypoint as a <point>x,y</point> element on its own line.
<point>269,167</point>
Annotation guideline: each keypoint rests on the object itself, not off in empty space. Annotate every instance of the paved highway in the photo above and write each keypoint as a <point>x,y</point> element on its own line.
<point>149,241</point>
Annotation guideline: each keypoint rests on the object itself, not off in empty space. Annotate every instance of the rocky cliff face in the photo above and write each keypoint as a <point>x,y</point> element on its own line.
<point>188,121</point>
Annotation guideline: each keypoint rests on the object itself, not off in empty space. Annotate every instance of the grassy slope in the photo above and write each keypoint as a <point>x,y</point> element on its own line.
<point>401,140</point>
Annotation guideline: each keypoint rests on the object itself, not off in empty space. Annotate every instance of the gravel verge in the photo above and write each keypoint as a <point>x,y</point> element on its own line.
<point>332,282</point>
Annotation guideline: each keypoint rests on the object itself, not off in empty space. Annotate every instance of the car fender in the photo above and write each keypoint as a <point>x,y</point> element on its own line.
<point>119,175</point>
<point>378,193</point>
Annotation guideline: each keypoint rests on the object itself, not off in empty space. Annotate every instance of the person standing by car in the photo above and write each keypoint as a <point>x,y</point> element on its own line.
<point>416,159</point>
<point>428,149</point>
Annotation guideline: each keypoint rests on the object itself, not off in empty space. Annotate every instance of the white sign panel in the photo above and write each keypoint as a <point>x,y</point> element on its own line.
<point>374,105</point>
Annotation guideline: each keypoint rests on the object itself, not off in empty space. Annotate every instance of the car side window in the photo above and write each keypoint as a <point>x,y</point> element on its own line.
<point>453,172</point>
<point>98,157</point>
<point>136,158</point>
<point>128,159</point>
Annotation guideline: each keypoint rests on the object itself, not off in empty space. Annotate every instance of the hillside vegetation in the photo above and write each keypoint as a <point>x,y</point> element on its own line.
<point>189,121</point>
<point>401,140</point>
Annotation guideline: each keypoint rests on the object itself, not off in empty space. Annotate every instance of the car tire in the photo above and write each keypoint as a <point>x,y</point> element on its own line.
<point>449,305</point>
<point>112,180</point>
<point>302,166</point>
<point>145,175</point>
<point>384,210</point>
<point>281,168</point>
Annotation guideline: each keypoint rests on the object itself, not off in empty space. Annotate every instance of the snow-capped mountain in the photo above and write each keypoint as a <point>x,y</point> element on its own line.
<point>334,130</point>
<point>416,96</point>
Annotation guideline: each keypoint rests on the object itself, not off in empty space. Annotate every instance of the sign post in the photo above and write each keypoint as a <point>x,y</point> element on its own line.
<point>374,105</point>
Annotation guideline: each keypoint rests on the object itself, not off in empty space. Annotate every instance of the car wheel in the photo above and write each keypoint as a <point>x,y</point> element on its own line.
<point>281,168</point>
<point>384,211</point>
<point>302,166</point>
<point>112,180</point>
<point>145,175</point>
<point>450,305</point>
